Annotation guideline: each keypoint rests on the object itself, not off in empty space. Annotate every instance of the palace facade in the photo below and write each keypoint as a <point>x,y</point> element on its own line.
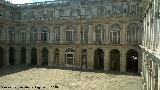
<point>87,34</point>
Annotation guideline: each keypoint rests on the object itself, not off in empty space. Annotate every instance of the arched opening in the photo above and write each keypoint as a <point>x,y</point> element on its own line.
<point>114,60</point>
<point>44,57</point>
<point>84,59</point>
<point>33,56</point>
<point>99,59</point>
<point>23,55</point>
<point>132,61</point>
<point>11,55</point>
<point>1,57</point>
<point>56,56</point>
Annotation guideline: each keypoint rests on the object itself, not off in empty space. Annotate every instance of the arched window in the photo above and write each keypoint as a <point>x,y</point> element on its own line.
<point>84,34</point>
<point>56,34</point>
<point>133,33</point>
<point>23,35</point>
<point>44,33</point>
<point>115,34</point>
<point>1,34</point>
<point>34,34</point>
<point>70,56</point>
<point>99,31</point>
<point>11,34</point>
<point>70,34</point>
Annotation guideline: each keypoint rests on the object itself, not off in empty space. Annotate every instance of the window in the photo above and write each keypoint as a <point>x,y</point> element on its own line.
<point>133,34</point>
<point>61,12</point>
<point>33,34</point>
<point>84,34</point>
<point>44,33</point>
<point>56,34</point>
<point>70,56</point>
<point>115,34</point>
<point>70,34</point>
<point>11,34</point>
<point>99,31</point>
<point>23,36</point>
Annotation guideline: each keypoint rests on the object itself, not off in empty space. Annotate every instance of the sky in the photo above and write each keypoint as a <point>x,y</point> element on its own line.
<point>26,1</point>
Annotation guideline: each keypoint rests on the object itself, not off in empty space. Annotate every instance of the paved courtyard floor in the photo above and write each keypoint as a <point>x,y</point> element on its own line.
<point>42,78</point>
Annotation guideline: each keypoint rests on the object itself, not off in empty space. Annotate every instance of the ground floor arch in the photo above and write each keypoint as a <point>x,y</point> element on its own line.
<point>33,56</point>
<point>23,55</point>
<point>1,57</point>
<point>11,55</point>
<point>99,59</point>
<point>115,60</point>
<point>132,61</point>
<point>44,56</point>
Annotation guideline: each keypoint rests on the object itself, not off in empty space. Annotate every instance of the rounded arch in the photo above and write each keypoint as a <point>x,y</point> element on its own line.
<point>1,57</point>
<point>44,56</point>
<point>11,55</point>
<point>99,59</point>
<point>99,33</point>
<point>33,34</point>
<point>132,60</point>
<point>84,34</point>
<point>23,55</point>
<point>115,59</point>
<point>33,56</point>
<point>71,33</point>
<point>44,33</point>
<point>56,33</point>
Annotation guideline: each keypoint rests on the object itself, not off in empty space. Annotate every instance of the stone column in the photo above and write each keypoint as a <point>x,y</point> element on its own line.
<point>123,34</point>
<point>50,57</point>
<point>90,35</point>
<point>62,57</point>
<point>158,77</point>
<point>62,35</point>
<point>78,34</point>
<point>39,56</point>
<point>50,36</point>
<point>107,34</point>
<point>123,60</point>
<point>28,35</point>
<point>106,60</point>
<point>28,55</point>
<point>78,57</point>
<point>18,55</point>
<point>90,56</point>
<point>139,62</point>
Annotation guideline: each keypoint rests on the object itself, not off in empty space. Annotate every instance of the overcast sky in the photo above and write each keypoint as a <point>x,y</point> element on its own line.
<point>26,1</point>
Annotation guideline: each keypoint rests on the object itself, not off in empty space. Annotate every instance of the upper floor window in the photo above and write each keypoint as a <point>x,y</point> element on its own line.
<point>11,33</point>
<point>133,10</point>
<point>56,33</point>
<point>133,33</point>
<point>61,12</point>
<point>44,33</point>
<point>34,34</point>
<point>84,34</point>
<point>99,33</point>
<point>115,34</point>
<point>70,33</point>
<point>23,35</point>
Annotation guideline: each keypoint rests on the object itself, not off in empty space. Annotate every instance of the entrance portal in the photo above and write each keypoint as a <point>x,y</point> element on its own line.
<point>132,61</point>
<point>114,60</point>
<point>99,59</point>
<point>23,55</point>
<point>44,57</point>
<point>11,55</point>
<point>33,56</point>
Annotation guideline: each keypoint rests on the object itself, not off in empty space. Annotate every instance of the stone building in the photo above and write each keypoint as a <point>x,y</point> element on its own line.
<point>87,34</point>
<point>151,45</point>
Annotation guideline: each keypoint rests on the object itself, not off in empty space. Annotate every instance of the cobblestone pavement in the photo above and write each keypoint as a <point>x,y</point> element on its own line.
<point>42,78</point>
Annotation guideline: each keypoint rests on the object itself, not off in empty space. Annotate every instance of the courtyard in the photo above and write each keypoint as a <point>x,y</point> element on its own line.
<point>52,78</point>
